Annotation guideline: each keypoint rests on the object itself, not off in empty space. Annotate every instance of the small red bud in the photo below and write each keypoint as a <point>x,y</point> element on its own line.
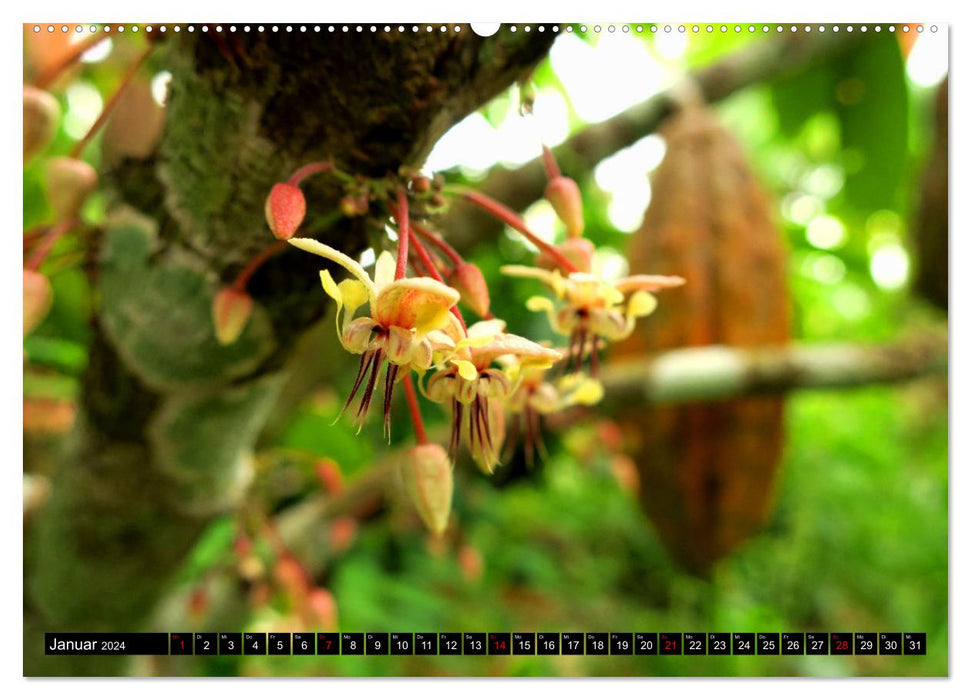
<point>290,576</point>
<point>230,313</point>
<point>330,476</point>
<point>198,602</point>
<point>323,609</point>
<point>625,471</point>
<point>243,546</point>
<point>41,114</point>
<point>341,534</point>
<point>467,279</point>
<point>285,209</point>
<point>362,205</point>
<point>436,201</point>
<point>69,183</point>
<point>421,184</point>
<point>564,195</point>
<point>348,206</point>
<point>470,561</point>
<point>37,299</point>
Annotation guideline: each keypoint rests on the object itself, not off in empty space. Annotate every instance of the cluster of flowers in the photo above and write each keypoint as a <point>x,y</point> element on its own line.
<point>404,319</point>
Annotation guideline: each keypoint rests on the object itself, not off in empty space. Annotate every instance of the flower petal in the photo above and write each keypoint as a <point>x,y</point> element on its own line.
<point>354,294</point>
<point>487,329</point>
<point>649,283</point>
<point>641,304</point>
<point>539,304</point>
<point>384,269</point>
<point>357,335</point>
<point>528,352</point>
<point>400,345</point>
<point>325,251</point>
<point>554,280</point>
<point>420,303</point>
<point>466,369</point>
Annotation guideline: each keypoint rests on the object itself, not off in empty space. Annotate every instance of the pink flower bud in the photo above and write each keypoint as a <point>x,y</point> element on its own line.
<point>348,206</point>
<point>427,474</point>
<point>69,183</point>
<point>330,476</point>
<point>290,576</point>
<point>198,602</point>
<point>230,312</point>
<point>467,279</point>
<point>625,471</point>
<point>564,195</point>
<point>323,609</point>
<point>285,209</point>
<point>41,114</point>
<point>37,299</point>
<point>578,251</point>
<point>341,534</point>
<point>470,561</point>
<point>243,546</point>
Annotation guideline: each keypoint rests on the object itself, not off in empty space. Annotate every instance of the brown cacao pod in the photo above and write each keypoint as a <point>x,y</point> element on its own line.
<point>707,469</point>
<point>931,226</point>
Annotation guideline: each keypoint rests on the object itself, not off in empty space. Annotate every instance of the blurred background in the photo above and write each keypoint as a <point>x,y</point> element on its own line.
<point>806,204</point>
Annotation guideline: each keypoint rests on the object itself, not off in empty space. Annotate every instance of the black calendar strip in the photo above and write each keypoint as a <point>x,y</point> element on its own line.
<point>489,643</point>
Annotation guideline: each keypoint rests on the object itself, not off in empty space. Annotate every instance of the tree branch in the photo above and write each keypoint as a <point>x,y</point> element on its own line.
<point>766,59</point>
<point>718,372</point>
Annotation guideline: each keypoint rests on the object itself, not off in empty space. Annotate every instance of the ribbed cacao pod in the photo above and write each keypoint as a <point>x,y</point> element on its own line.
<point>931,225</point>
<point>707,469</point>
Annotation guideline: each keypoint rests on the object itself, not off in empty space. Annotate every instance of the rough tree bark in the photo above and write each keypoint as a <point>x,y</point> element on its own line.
<point>168,417</point>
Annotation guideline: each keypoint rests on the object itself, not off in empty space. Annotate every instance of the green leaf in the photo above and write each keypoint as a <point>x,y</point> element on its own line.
<point>872,107</point>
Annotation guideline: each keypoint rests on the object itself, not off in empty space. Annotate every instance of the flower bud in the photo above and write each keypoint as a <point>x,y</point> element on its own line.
<point>37,299</point>
<point>330,476</point>
<point>470,562</point>
<point>285,209</point>
<point>427,473</point>
<point>289,576</point>
<point>69,183</point>
<point>348,206</point>
<point>563,193</point>
<point>41,114</point>
<point>578,251</point>
<point>322,608</point>
<point>421,184</point>
<point>230,312</point>
<point>242,546</point>
<point>341,534</point>
<point>198,603</point>
<point>467,279</point>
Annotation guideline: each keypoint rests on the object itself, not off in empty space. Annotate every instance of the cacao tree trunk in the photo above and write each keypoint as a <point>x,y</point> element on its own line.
<point>168,417</point>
